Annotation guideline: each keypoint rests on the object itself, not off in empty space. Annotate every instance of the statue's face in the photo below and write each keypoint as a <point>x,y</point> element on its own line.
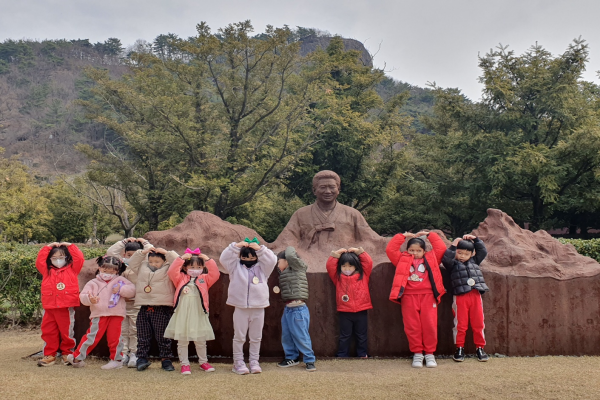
<point>326,190</point>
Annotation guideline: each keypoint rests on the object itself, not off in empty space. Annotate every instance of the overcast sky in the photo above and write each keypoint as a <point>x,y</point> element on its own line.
<point>417,41</point>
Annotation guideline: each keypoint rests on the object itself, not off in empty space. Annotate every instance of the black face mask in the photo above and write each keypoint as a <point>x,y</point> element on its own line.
<point>249,263</point>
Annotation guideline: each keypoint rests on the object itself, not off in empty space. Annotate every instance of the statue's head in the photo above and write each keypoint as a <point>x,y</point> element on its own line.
<point>326,186</point>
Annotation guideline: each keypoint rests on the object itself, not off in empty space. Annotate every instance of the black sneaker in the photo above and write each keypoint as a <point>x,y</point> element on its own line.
<point>481,356</point>
<point>288,363</point>
<point>459,355</point>
<point>310,367</point>
<point>167,365</point>
<point>142,363</point>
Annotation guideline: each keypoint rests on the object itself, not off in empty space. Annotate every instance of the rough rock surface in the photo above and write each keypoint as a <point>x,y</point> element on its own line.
<point>204,230</point>
<point>520,252</point>
<point>312,43</point>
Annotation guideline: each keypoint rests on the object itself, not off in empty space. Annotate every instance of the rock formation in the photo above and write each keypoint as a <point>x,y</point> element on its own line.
<point>312,43</point>
<point>520,252</point>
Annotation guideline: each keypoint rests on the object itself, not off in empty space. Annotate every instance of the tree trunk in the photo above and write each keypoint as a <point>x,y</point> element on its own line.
<point>538,213</point>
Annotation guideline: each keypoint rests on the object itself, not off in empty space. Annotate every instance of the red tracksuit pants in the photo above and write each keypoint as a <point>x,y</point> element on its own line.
<point>57,330</point>
<point>100,325</point>
<point>467,307</point>
<point>419,314</point>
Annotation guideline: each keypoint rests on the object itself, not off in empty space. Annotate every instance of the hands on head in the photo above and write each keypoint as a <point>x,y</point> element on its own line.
<point>254,246</point>
<point>56,244</point>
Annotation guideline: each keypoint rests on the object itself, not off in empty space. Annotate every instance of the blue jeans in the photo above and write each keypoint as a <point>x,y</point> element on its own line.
<point>294,334</point>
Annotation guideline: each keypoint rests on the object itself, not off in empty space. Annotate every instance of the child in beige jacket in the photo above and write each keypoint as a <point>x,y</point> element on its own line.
<point>154,295</point>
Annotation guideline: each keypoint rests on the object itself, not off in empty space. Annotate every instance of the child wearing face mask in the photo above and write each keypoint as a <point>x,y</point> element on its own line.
<point>59,264</point>
<point>249,266</point>
<point>462,262</point>
<point>350,270</point>
<point>192,274</point>
<point>105,295</point>
<point>124,249</point>
<point>154,294</point>
<point>418,287</point>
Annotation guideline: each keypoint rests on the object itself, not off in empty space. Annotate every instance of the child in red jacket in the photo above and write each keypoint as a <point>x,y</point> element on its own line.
<point>350,269</point>
<point>59,264</point>
<point>418,282</point>
<point>192,274</point>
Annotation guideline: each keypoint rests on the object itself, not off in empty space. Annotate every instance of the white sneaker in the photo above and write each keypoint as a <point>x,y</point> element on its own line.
<point>112,364</point>
<point>74,363</point>
<point>430,361</point>
<point>417,360</point>
<point>132,361</point>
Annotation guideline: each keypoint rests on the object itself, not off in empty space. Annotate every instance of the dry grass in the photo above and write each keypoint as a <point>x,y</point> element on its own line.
<point>514,378</point>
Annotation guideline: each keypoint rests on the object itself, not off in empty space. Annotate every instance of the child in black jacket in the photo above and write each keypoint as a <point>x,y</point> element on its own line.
<point>462,262</point>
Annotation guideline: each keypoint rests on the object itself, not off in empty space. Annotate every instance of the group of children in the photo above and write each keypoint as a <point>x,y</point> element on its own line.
<point>141,292</point>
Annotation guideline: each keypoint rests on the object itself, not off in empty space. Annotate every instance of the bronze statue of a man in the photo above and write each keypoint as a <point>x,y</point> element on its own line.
<point>326,225</point>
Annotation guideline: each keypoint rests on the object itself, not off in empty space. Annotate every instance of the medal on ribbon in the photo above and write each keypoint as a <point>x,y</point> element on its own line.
<point>345,298</point>
<point>471,282</point>
<point>148,289</point>
<point>60,286</point>
<point>276,289</point>
<point>255,280</point>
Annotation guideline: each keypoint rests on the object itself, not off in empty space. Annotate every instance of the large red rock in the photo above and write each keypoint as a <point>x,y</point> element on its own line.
<point>519,252</point>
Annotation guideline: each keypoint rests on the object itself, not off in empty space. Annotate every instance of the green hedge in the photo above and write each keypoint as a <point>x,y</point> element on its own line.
<point>589,248</point>
<point>20,282</point>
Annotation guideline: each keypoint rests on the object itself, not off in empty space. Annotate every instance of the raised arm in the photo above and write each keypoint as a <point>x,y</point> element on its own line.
<point>331,266</point>
<point>136,260</point>
<point>230,257</point>
<point>480,251</point>
<point>213,272</point>
<point>117,249</point>
<point>267,259</point>
<point>439,247</point>
<point>294,262</point>
<point>393,248</point>
<point>174,271</point>
<point>78,258</point>
<point>40,261</point>
<point>449,256</point>
<point>365,261</point>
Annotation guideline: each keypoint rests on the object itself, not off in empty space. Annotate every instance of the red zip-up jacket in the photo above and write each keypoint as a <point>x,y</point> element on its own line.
<point>203,282</point>
<point>403,261</point>
<point>60,286</point>
<point>359,298</point>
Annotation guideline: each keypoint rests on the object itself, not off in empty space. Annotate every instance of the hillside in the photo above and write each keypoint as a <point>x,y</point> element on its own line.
<point>40,81</point>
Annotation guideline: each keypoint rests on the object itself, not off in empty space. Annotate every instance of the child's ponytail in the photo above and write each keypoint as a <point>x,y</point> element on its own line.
<point>110,260</point>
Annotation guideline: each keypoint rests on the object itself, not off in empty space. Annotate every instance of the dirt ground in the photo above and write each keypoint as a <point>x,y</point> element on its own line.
<point>502,378</point>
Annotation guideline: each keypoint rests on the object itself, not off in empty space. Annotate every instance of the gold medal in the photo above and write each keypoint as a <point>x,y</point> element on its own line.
<point>471,282</point>
<point>276,289</point>
<point>345,298</point>
<point>148,289</point>
<point>60,286</point>
<point>255,280</point>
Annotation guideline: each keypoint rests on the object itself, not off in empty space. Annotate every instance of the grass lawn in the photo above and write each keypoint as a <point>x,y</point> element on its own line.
<point>504,378</point>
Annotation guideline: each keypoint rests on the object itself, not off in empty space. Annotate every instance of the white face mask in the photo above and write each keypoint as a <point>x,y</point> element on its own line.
<point>126,260</point>
<point>194,273</point>
<point>106,277</point>
<point>347,273</point>
<point>59,263</point>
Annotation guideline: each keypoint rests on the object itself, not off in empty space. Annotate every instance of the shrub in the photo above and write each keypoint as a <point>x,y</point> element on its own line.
<point>20,282</point>
<point>589,248</point>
